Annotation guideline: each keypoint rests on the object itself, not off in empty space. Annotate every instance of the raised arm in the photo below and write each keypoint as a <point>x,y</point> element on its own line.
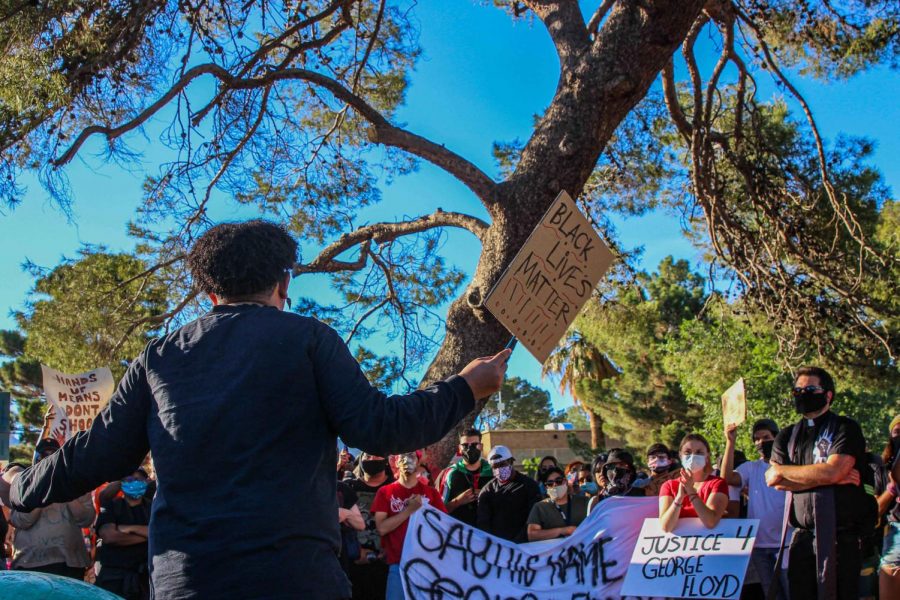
<point>114,445</point>
<point>731,477</point>
<point>366,418</point>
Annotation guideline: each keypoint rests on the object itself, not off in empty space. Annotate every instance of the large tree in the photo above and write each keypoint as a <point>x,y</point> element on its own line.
<point>302,91</point>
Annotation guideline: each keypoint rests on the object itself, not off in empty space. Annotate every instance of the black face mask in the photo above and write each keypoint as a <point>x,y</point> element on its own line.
<point>471,454</point>
<point>618,481</point>
<point>810,402</point>
<point>766,449</point>
<point>373,467</point>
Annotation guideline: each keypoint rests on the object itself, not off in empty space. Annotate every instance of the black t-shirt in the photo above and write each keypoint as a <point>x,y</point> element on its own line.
<point>118,512</point>
<point>369,540</point>
<point>503,509</point>
<point>460,480</point>
<point>827,435</point>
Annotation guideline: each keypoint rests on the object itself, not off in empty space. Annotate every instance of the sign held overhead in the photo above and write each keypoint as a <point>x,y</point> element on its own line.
<point>734,404</point>
<point>551,278</point>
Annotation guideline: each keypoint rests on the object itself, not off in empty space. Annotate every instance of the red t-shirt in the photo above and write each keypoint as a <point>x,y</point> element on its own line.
<point>392,499</point>
<point>712,485</point>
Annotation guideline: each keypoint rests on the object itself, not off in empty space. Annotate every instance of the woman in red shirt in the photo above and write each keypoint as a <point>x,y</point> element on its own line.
<point>696,493</point>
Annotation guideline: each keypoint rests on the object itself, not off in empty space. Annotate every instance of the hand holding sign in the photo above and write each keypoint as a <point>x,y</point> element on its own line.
<point>485,375</point>
<point>550,279</point>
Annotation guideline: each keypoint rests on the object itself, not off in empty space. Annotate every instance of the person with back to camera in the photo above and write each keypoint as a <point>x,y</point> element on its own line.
<point>273,390</point>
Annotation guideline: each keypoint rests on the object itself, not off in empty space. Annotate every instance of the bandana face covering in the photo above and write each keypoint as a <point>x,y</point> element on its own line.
<point>503,473</point>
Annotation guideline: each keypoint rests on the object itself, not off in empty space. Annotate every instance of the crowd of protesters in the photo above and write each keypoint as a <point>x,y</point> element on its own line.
<point>814,487</point>
<point>816,491</point>
<point>260,515</point>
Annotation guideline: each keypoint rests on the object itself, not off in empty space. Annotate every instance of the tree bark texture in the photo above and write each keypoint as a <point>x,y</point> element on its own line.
<point>598,439</point>
<point>601,80</point>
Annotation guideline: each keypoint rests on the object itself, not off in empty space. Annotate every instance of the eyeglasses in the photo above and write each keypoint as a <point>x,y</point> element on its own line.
<point>809,389</point>
<point>555,482</point>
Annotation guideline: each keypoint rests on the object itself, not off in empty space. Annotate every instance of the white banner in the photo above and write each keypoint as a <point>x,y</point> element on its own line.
<point>76,399</point>
<point>444,558</point>
<point>692,561</point>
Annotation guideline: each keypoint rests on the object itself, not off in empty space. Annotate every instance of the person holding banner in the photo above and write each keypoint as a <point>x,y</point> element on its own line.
<point>394,504</point>
<point>272,391</point>
<point>697,493</point>
<point>558,515</point>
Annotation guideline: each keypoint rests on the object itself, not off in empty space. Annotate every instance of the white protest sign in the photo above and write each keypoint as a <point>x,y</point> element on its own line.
<point>692,561</point>
<point>734,404</point>
<point>550,279</point>
<point>76,399</point>
<point>445,558</point>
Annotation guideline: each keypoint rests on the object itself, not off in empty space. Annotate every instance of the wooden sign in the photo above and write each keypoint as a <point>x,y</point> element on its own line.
<point>734,403</point>
<point>551,278</point>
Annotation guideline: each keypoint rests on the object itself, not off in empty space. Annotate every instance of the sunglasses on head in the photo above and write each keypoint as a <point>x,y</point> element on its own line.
<point>555,482</point>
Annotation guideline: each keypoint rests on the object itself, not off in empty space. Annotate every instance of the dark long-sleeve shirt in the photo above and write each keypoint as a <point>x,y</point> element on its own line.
<point>241,409</point>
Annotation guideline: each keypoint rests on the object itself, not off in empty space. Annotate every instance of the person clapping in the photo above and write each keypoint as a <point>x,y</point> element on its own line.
<point>696,493</point>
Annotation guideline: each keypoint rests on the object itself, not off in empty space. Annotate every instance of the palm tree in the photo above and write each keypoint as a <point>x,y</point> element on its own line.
<point>574,360</point>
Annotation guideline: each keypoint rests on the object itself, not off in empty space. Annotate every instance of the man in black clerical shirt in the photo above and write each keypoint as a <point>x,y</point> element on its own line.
<point>819,461</point>
<point>272,390</point>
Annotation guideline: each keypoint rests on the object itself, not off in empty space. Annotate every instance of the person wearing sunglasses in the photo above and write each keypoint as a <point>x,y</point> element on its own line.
<point>619,475</point>
<point>467,478</point>
<point>821,462</point>
<point>560,513</point>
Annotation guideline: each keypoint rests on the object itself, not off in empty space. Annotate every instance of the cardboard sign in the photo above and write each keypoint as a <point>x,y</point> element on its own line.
<point>692,561</point>
<point>446,558</point>
<point>76,400</point>
<point>550,279</point>
<point>734,404</point>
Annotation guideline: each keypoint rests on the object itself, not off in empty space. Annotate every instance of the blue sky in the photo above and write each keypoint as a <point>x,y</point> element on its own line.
<point>481,79</point>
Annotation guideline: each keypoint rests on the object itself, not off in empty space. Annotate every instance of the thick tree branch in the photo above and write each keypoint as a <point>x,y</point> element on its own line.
<point>380,233</point>
<point>382,132</point>
<point>565,24</point>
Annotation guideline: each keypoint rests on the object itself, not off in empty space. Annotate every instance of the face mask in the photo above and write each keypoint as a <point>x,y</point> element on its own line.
<point>471,454</point>
<point>766,449</point>
<point>373,467</point>
<point>134,489</point>
<point>693,462</point>
<point>659,465</point>
<point>806,402</point>
<point>590,487</point>
<point>619,481</point>
<point>503,473</point>
<point>557,493</point>
<point>408,463</point>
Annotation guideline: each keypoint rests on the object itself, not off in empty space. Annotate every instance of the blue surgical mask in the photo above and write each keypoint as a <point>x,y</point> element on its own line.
<point>590,487</point>
<point>134,489</point>
<point>693,462</point>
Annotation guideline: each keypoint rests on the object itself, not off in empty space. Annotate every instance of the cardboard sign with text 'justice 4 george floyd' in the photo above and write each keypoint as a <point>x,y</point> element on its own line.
<point>550,279</point>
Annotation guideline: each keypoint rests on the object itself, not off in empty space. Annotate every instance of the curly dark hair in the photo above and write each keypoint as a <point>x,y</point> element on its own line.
<point>237,260</point>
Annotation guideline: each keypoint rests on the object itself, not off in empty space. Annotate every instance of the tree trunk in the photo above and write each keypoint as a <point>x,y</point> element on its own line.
<point>598,439</point>
<point>598,86</point>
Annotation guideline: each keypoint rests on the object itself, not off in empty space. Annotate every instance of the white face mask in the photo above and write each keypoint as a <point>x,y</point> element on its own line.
<point>693,462</point>
<point>408,462</point>
<point>557,493</point>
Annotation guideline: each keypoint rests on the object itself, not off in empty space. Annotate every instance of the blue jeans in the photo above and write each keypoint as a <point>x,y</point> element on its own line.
<point>763,561</point>
<point>394,584</point>
<point>890,555</point>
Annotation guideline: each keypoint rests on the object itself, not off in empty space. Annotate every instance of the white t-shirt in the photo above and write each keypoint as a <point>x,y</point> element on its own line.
<point>763,503</point>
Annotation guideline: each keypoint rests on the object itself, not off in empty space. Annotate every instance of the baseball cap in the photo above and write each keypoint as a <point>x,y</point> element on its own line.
<point>499,454</point>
